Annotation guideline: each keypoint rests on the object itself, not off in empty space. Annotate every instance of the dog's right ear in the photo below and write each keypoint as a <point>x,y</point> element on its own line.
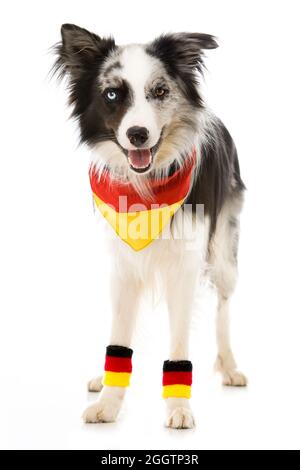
<point>80,51</point>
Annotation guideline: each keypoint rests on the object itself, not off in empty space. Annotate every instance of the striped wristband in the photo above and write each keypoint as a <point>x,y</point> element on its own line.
<point>118,366</point>
<point>177,379</point>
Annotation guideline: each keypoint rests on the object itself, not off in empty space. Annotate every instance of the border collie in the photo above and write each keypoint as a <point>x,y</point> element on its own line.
<point>155,144</point>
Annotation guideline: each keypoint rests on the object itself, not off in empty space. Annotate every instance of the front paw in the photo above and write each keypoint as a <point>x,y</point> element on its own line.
<point>179,414</point>
<point>107,408</point>
<point>180,418</point>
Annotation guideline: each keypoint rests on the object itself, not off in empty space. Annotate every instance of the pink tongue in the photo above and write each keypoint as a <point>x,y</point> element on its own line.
<point>139,158</point>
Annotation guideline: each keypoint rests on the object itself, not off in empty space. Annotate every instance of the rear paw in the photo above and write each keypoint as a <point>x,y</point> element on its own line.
<point>95,385</point>
<point>226,365</point>
<point>180,418</point>
<point>234,378</point>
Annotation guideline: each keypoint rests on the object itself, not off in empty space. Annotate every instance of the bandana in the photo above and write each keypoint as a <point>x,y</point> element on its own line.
<point>138,220</point>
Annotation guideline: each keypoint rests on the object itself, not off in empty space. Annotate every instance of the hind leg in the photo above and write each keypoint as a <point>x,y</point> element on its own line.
<point>223,260</point>
<point>225,363</point>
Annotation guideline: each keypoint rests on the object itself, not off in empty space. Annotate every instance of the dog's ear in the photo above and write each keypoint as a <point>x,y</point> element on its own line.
<point>80,50</point>
<point>182,52</point>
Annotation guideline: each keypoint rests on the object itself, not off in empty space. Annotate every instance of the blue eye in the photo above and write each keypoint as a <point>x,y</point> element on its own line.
<point>111,95</point>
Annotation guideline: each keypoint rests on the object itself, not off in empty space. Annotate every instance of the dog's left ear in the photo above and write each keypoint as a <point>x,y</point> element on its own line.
<point>182,52</point>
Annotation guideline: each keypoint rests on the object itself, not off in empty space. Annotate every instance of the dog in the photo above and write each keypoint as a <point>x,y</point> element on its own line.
<point>152,138</point>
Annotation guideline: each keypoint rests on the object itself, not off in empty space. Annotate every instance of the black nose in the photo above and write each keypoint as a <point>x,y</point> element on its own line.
<point>137,135</point>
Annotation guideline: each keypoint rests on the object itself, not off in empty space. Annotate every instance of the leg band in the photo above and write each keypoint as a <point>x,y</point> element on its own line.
<point>118,366</point>
<point>177,379</point>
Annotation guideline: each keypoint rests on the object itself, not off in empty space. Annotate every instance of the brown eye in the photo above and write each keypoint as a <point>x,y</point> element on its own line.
<point>160,92</point>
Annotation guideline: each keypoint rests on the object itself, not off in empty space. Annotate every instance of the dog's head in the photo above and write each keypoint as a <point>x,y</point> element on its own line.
<point>137,105</point>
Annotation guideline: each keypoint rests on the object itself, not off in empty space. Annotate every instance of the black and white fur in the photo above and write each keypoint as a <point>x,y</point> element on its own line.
<point>176,120</point>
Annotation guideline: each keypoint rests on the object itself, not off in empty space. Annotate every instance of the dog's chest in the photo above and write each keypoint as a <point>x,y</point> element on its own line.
<point>182,246</point>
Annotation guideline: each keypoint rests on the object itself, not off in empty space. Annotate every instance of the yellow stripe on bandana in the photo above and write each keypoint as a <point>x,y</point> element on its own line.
<point>138,229</point>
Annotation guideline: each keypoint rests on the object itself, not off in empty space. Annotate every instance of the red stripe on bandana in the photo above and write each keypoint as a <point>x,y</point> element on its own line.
<point>166,191</point>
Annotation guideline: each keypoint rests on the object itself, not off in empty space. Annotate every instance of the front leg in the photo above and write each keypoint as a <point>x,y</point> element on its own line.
<point>178,370</point>
<point>125,300</point>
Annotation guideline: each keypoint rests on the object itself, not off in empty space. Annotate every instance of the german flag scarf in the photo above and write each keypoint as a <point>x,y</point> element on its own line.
<point>138,220</point>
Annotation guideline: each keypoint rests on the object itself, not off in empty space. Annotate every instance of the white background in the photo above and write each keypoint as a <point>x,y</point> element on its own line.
<point>55,311</point>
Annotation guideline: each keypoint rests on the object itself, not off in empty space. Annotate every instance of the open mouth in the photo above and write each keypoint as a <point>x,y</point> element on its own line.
<point>140,160</point>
